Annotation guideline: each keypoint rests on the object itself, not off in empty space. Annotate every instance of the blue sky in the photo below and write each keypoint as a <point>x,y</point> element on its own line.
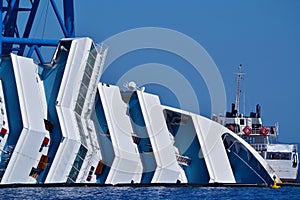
<point>262,35</point>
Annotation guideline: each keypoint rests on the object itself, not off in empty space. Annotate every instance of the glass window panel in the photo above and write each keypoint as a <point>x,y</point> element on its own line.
<point>73,174</point>
<point>86,80</point>
<point>82,151</point>
<point>78,109</point>
<point>83,90</point>
<point>91,60</point>
<point>88,70</point>
<point>80,100</point>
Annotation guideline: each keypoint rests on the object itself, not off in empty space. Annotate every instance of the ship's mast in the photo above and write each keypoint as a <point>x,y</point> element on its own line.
<point>238,89</point>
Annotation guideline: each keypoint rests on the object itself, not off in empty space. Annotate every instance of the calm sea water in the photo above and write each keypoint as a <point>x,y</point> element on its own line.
<point>150,193</point>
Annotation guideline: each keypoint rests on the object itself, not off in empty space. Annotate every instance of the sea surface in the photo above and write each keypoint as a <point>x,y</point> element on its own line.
<point>160,192</point>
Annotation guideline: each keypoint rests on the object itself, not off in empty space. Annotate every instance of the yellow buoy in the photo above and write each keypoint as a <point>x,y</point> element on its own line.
<point>275,186</point>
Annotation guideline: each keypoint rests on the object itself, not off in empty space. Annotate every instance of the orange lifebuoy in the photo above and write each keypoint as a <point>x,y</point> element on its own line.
<point>264,130</point>
<point>247,130</point>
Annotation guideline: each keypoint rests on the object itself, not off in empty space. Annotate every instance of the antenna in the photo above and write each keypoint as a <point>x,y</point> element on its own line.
<point>238,89</point>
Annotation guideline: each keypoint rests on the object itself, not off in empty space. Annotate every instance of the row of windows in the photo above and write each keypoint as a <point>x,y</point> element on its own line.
<point>88,71</point>
<point>255,139</point>
<point>81,131</point>
<point>77,164</point>
<point>279,156</point>
<point>86,80</point>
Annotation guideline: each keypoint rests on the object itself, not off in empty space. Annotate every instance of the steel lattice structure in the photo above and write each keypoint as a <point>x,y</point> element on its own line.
<point>12,40</point>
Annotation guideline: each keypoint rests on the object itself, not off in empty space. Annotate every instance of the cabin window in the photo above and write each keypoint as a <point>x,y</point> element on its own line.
<point>242,121</point>
<point>278,156</point>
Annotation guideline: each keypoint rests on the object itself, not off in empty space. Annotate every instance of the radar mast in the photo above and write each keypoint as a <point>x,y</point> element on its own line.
<point>238,89</point>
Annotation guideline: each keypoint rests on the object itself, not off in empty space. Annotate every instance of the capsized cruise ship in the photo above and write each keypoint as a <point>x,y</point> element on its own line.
<point>61,125</point>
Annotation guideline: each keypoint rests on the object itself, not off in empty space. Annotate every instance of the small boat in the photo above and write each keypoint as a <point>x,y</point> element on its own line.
<point>283,158</point>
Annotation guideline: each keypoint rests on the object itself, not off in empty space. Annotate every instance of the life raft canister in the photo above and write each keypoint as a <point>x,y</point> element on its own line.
<point>264,130</point>
<point>247,130</point>
<point>46,141</point>
<point>231,127</point>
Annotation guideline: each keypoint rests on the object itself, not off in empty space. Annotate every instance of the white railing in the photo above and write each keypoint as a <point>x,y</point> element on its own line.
<point>259,147</point>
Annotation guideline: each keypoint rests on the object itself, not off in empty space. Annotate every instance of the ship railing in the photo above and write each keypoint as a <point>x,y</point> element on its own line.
<point>259,147</point>
<point>257,131</point>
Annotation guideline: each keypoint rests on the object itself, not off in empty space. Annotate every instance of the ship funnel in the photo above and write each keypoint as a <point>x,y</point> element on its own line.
<point>233,110</point>
<point>258,111</point>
